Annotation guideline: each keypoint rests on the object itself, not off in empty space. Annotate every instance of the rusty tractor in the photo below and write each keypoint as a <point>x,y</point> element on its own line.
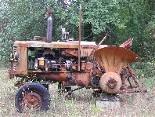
<point>38,63</point>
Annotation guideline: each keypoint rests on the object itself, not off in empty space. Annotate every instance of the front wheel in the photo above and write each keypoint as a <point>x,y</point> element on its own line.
<point>32,96</point>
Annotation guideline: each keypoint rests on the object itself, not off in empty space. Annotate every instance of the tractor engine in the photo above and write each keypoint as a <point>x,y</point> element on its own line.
<point>46,59</point>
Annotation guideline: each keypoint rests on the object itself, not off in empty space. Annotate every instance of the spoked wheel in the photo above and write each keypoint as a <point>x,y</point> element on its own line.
<point>32,97</point>
<point>31,101</point>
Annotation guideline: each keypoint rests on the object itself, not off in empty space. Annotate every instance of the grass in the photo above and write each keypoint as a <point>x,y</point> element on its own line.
<point>83,105</point>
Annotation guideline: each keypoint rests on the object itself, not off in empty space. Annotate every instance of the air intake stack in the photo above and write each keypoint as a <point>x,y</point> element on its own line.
<point>49,27</point>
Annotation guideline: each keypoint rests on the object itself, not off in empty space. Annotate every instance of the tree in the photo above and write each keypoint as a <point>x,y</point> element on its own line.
<point>126,18</point>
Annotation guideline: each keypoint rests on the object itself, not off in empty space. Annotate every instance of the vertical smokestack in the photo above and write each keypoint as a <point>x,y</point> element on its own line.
<point>79,45</point>
<point>49,26</point>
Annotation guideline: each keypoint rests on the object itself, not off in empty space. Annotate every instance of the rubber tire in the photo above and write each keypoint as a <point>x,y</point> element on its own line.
<point>36,87</point>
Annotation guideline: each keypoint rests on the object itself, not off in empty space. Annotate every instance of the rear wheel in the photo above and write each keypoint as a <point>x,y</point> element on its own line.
<point>32,97</point>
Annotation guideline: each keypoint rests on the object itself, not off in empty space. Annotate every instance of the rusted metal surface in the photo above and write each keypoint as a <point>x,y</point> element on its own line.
<point>79,44</point>
<point>22,62</point>
<point>104,70</point>
<point>96,47</point>
<point>110,82</point>
<point>138,90</point>
<point>87,67</point>
<point>69,44</point>
<point>85,51</point>
<point>81,79</point>
<point>113,59</point>
<point>69,52</point>
<point>127,44</point>
<point>31,100</point>
<point>61,76</point>
<point>127,74</point>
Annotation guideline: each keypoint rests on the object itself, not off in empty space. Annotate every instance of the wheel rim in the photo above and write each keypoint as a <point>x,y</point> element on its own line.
<point>31,101</point>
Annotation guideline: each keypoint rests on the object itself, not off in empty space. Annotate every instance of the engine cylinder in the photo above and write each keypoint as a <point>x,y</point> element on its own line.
<point>110,82</point>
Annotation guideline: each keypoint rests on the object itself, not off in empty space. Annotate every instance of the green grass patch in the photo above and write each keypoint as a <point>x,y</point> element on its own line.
<point>83,105</point>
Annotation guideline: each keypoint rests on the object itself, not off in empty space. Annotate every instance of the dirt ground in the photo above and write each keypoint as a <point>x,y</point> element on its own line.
<point>83,105</point>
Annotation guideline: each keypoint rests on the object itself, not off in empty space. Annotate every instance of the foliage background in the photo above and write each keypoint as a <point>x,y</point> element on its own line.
<point>24,19</point>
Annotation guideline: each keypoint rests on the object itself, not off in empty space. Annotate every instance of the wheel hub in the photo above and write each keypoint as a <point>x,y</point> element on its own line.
<point>32,100</point>
<point>110,82</point>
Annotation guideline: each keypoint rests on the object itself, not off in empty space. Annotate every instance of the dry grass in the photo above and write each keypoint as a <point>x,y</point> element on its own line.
<point>133,105</point>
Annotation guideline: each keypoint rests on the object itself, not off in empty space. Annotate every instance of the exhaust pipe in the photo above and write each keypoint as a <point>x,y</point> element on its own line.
<point>49,27</point>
